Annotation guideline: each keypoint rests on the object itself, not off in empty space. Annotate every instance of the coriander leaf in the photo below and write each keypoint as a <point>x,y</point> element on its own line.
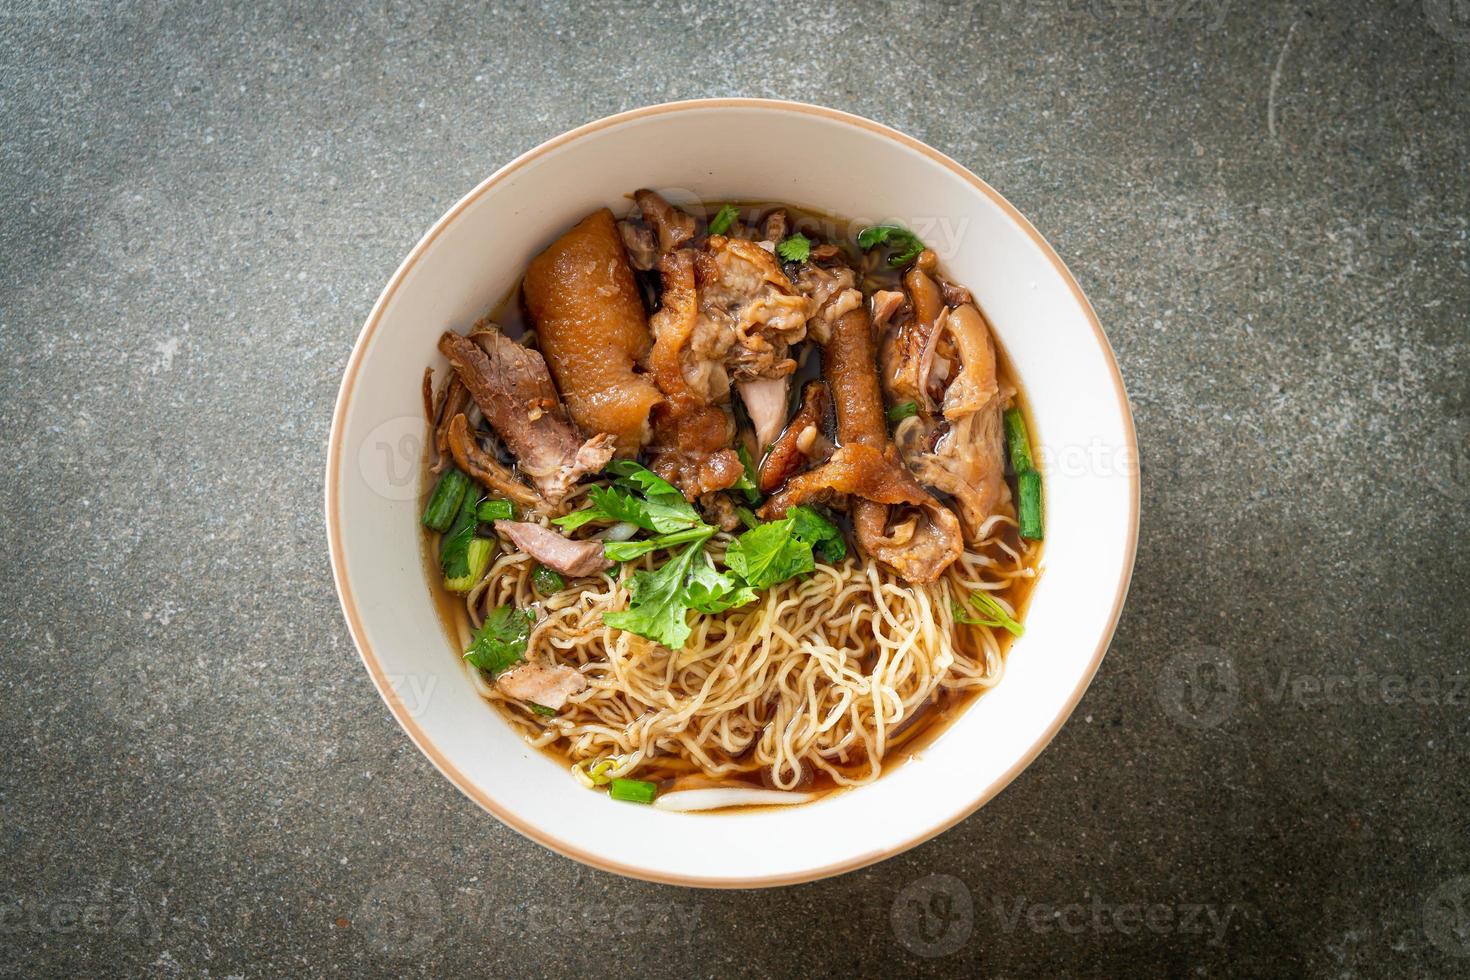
<point>769,554</point>
<point>640,497</point>
<point>905,244</point>
<point>795,248</point>
<point>657,609</point>
<point>710,591</point>
<point>722,221</point>
<point>903,258</point>
<point>616,505</point>
<point>628,550</point>
<point>747,517</point>
<point>902,411</point>
<point>993,614</point>
<point>609,504</point>
<point>664,509</point>
<point>637,477</point>
<point>547,580</point>
<point>620,506</point>
<point>605,504</point>
<point>748,482</point>
<point>501,643</point>
<point>574,520</point>
<point>824,536</point>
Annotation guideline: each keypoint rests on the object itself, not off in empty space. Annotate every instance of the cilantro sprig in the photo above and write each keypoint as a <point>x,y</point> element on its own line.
<point>824,537</point>
<point>795,248</point>
<point>661,598</point>
<point>500,643</point>
<point>638,496</point>
<point>905,245</point>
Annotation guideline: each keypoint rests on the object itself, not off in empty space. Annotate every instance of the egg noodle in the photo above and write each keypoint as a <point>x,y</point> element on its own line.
<point>822,675</point>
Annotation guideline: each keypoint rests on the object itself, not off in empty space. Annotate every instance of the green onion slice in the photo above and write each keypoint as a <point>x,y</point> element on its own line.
<point>444,502</point>
<point>633,790</point>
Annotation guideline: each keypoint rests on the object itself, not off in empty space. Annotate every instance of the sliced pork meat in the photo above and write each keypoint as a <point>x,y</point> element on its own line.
<point>751,312</point>
<point>894,519</point>
<point>832,291</point>
<point>510,383</point>
<point>884,305</point>
<point>908,351</point>
<point>453,399</point>
<point>802,443</point>
<point>961,451</point>
<point>774,226</point>
<point>856,470</point>
<point>692,430</point>
<point>555,550</point>
<point>641,245</point>
<point>673,227</point>
<point>692,451</point>
<point>431,410</point>
<point>592,329</point>
<point>687,357</point>
<point>955,295</point>
<point>718,509</point>
<point>728,314</point>
<point>485,469</point>
<point>549,685</point>
<point>765,403</point>
<point>825,253</point>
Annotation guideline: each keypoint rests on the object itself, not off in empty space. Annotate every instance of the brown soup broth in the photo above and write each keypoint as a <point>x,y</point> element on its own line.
<point>935,716</point>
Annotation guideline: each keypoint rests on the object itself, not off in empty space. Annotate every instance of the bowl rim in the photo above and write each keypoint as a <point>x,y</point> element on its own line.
<point>374,667</point>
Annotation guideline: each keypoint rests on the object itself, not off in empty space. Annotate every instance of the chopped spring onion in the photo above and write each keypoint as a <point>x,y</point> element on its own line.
<point>719,797</point>
<point>1028,486</point>
<point>445,500</point>
<point>902,411</point>
<point>992,613</point>
<point>496,510</point>
<point>477,557</point>
<point>1017,440</point>
<point>1028,481</point>
<point>454,546</point>
<point>541,709</point>
<point>722,221</point>
<point>633,790</point>
<point>547,580</point>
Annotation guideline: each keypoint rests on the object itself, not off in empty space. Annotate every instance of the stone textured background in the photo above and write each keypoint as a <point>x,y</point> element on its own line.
<point>1266,203</point>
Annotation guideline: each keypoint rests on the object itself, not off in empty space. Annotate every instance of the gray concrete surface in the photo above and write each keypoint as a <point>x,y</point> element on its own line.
<point>1267,204</point>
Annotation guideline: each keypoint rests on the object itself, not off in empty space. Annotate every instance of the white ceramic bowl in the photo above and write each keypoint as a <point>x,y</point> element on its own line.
<point>740,149</point>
